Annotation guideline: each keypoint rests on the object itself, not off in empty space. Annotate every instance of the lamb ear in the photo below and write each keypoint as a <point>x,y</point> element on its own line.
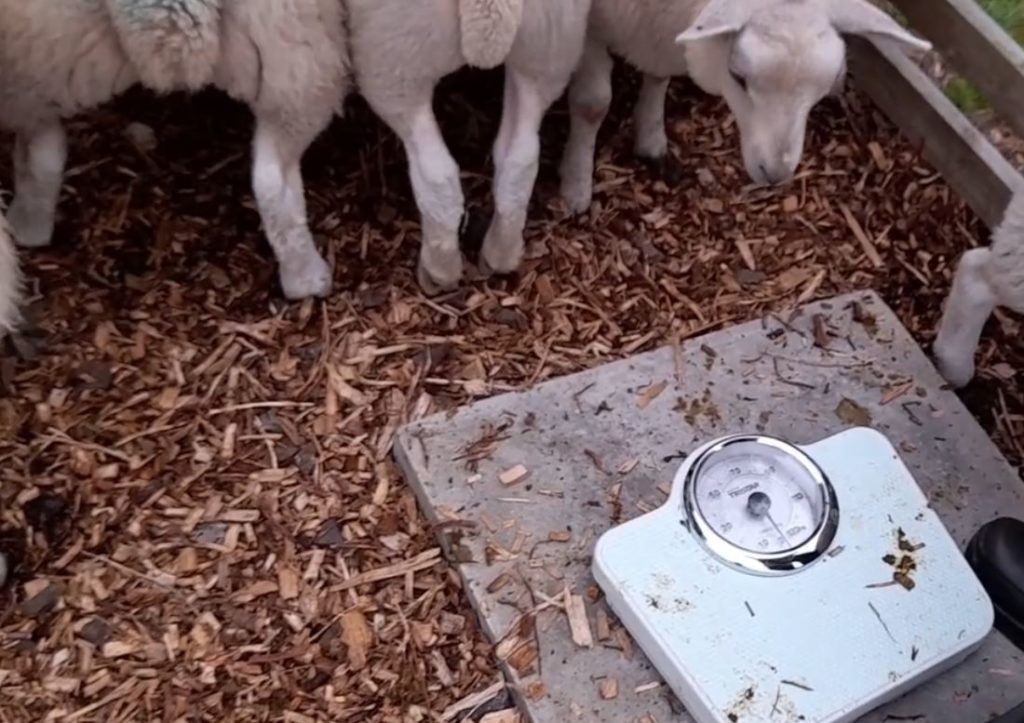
<point>719,17</point>
<point>859,17</point>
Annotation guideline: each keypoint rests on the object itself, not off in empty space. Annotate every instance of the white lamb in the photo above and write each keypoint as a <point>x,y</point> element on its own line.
<point>10,311</point>
<point>772,61</point>
<point>287,59</point>
<point>985,278</point>
<point>401,49</point>
<point>10,282</point>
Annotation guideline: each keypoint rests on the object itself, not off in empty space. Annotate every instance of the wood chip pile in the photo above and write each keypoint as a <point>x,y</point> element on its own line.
<point>197,493</point>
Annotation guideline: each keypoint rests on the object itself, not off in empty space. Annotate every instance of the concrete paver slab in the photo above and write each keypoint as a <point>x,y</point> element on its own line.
<point>602,446</point>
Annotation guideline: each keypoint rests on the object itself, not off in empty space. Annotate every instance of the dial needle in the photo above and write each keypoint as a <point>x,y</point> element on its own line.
<point>777,529</point>
<point>759,505</point>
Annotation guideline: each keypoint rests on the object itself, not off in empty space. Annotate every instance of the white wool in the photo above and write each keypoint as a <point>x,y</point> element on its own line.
<point>287,59</point>
<point>10,283</point>
<point>488,30</point>
<point>984,279</point>
<point>173,44</point>
<point>1006,271</point>
<point>790,51</point>
<point>401,50</point>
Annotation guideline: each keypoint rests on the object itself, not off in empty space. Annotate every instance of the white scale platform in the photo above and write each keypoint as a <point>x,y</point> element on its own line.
<point>822,644</point>
<point>599,457</point>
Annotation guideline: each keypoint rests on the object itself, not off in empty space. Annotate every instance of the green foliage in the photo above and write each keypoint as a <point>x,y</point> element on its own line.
<point>1010,16</point>
<point>965,96</point>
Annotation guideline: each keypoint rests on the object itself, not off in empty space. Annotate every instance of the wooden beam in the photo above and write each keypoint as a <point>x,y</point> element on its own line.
<point>948,140</point>
<point>975,46</point>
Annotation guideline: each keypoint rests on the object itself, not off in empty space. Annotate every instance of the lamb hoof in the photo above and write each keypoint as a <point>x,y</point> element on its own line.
<point>25,347</point>
<point>577,196</point>
<point>665,168</point>
<point>486,270</point>
<point>22,339</point>
<point>501,258</point>
<point>29,230</point>
<point>441,280</point>
<point>310,279</point>
<point>958,372</point>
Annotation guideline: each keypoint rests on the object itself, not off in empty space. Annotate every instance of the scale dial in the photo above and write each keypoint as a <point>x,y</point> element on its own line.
<point>760,504</point>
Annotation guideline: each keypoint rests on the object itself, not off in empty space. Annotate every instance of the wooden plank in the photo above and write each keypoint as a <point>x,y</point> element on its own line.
<point>977,47</point>
<point>950,142</point>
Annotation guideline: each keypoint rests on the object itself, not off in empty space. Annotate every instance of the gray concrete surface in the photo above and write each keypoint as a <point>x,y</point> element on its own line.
<point>597,456</point>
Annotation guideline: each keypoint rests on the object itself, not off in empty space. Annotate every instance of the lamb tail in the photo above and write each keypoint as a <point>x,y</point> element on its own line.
<point>489,29</point>
<point>173,44</point>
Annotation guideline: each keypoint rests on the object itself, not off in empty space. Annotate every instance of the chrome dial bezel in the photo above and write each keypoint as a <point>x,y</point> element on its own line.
<point>781,562</point>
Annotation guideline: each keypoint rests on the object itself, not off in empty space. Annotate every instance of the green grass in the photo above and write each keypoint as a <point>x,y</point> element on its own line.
<point>1010,15</point>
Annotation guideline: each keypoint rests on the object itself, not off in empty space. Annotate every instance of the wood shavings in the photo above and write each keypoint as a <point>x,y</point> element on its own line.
<point>288,583</point>
<point>604,631</point>
<point>858,231</point>
<point>119,649</point>
<point>175,374</point>
<point>628,466</point>
<point>852,413</point>
<point>41,596</point>
<point>650,394</point>
<point>820,331</point>
<point>609,688</point>
<point>499,583</point>
<point>255,590</point>
<point>894,393</point>
<point>625,642</point>
<point>536,690</point>
<point>579,625</point>
<point>357,636</point>
<point>422,561</point>
<point>472,701</point>
<point>513,475</point>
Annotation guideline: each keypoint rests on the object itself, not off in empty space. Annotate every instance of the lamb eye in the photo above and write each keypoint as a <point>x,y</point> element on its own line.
<point>740,80</point>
